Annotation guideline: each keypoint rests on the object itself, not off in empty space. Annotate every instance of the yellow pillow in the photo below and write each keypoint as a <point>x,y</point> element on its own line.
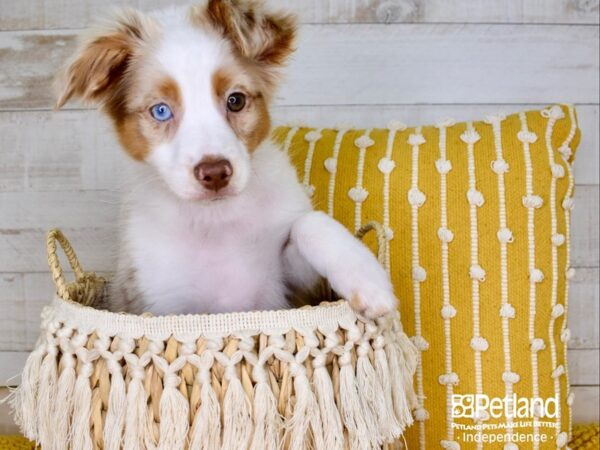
<point>477,216</point>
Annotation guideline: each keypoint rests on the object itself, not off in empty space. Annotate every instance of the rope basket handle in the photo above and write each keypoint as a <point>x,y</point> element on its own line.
<point>52,238</point>
<point>381,239</point>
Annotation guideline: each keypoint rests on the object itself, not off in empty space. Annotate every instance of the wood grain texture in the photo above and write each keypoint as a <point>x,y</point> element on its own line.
<point>583,367</point>
<point>7,424</point>
<point>376,64</point>
<point>11,364</point>
<point>52,14</point>
<point>585,408</point>
<point>584,311</point>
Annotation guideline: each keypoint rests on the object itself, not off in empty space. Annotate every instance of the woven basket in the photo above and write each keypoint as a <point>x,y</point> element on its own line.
<point>310,378</point>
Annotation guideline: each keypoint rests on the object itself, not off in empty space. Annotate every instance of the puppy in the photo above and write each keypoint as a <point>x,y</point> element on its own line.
<point>220,222</point>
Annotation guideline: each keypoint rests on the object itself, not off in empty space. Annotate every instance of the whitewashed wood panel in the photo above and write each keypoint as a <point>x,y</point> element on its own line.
<point>584,239</point>
<point>77,150</point>
<point>585,408</point>
<point>377,64</point>
<point>583,367</point>
<point>7,424</point>
<point>24,250</point>
<point>11,365</point>
<point>52,14</point>
<point>69,150</point>
<point>584,311</point>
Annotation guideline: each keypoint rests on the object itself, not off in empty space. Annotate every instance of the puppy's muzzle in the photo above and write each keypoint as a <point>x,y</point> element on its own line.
<point>213,174</point>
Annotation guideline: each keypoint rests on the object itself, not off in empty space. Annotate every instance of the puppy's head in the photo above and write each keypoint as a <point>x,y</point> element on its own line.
<point>187,91</point>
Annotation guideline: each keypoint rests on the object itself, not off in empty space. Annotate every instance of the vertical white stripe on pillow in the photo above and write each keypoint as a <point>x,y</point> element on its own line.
<point>312,137</point>
<point>416,199</point>
<point>567,204</point>
<point>386,166</point>
<point>553,114</point>
<point>359,193</point>
<point>448,311</point>
<point>535,343</point>
<point>287,144</point>
<point>475,198</point>
<point>505,237</point>
<point>331,167</point>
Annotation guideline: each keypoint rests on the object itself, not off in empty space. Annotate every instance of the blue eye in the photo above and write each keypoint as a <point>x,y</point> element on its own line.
<point>161,112</point>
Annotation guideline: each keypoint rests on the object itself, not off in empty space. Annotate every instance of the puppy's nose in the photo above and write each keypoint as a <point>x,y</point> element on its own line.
<point>214,174</point>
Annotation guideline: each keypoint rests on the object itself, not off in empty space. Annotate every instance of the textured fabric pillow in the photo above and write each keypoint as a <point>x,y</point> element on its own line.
<point>477,216</point>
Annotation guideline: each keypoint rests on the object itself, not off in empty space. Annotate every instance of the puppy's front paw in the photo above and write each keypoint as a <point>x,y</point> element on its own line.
<point>371,301</point>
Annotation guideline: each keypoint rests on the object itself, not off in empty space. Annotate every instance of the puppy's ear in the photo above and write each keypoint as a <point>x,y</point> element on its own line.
<point>263,37</point>
<point>97,69</point>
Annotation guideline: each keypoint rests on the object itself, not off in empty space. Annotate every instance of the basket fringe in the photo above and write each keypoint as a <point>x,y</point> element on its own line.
<point>400,401</point>
<point>332,423</point>
<point>47,398</point>
<point>237,418</point>
<point>305,427</point>
<point>267,421</point>
<point>25,397</point>
<point>64,401</point>
<point>350,405</point>
<point>174,407</point>
<point>82,402</point>
<point>137,431</point>
<point>206,429</point>
<point>115,416</point>
<point>372,399</point>
<point>344,389</point>
<point>408,356</point>
<point>395,425</point>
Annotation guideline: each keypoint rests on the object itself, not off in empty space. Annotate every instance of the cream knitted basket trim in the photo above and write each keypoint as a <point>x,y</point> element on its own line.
<point>325,318</point>
<point>329,380</point>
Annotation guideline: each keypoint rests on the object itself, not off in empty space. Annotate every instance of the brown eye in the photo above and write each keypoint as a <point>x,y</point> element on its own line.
<point>236,102</point>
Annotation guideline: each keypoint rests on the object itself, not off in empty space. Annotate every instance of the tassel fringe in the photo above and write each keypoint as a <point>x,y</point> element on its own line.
<point>237,418</point>
<point>332,423</point>
<point>137,431</point>
<point>305,428</point>
<point>64,402</point>
<point>82,410</point>
<point>47,399</point>
<point>174,407</point>
<point>115,417</point>
<point>267,421</point>
<point>351,387</point>
<point>25,397</point>
<point>372,399</point>
<point>206,429</point>
<point>351,409</point>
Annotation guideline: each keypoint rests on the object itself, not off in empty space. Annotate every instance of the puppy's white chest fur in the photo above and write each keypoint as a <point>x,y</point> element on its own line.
<point>225,255</point>
<point>223,270</point>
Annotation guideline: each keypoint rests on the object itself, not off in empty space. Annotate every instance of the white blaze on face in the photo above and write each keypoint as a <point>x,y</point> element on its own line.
<point>191,57</point>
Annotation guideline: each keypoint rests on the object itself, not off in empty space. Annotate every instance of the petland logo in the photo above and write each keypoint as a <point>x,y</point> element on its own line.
<point>481,406</point>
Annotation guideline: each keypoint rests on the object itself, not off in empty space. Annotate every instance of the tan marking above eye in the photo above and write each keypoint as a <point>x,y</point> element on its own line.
<point>251,124</point>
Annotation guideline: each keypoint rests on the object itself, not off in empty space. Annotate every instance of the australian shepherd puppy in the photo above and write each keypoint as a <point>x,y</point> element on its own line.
<point>223,224</point>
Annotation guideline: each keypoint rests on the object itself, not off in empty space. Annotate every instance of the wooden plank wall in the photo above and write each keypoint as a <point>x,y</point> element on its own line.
<point>359,61</point>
